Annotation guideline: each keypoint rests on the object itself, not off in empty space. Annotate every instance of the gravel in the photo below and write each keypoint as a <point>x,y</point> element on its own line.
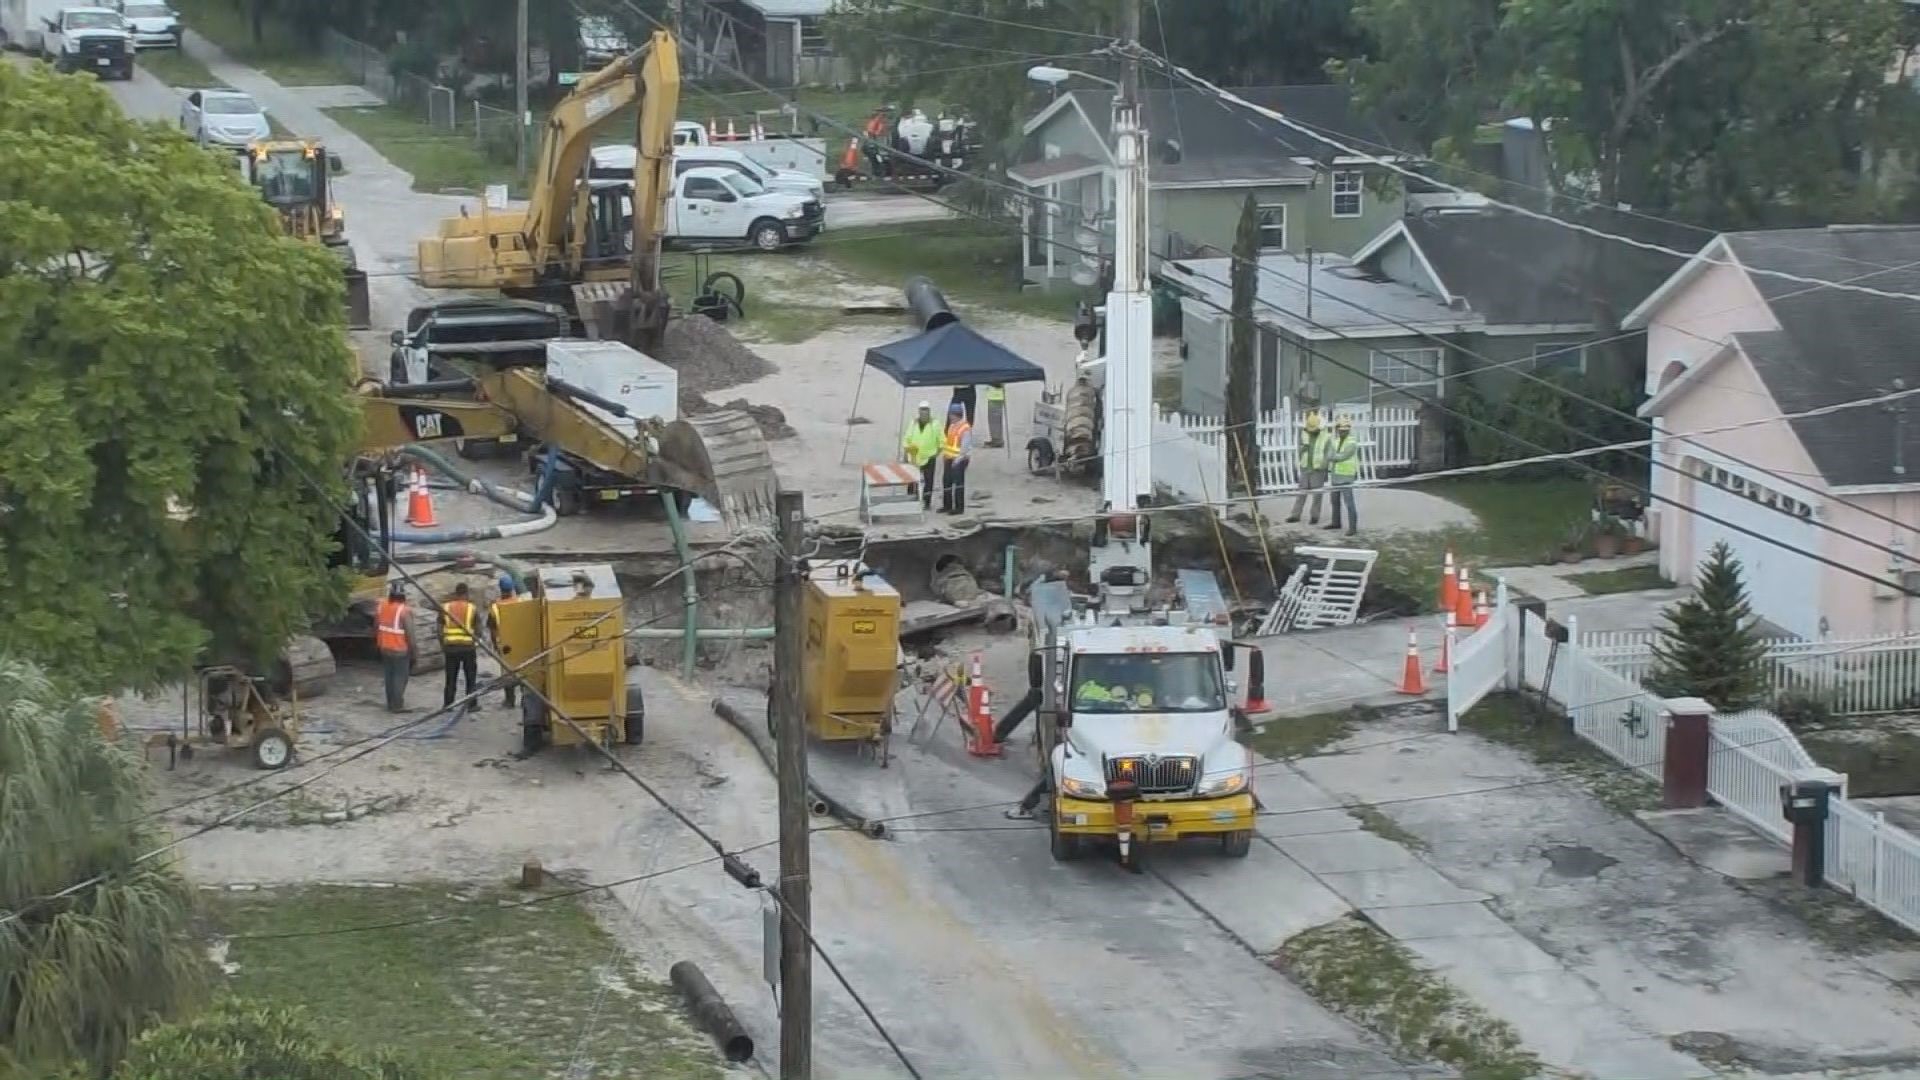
<point>707,357</point>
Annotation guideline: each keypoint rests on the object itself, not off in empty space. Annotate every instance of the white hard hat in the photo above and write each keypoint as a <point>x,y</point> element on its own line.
<point>926,405</point>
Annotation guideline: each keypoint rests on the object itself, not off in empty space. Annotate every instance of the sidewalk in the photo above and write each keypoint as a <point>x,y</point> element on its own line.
<point>1584,930</point>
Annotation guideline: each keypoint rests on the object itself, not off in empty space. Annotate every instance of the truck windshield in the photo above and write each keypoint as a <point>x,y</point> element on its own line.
<point>745,186</point>
<point>1153,682</point>
<point>95,20</point>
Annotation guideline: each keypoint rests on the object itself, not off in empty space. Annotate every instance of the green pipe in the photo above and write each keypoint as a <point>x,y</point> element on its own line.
<point>689,589</point>
<point>711,633</point>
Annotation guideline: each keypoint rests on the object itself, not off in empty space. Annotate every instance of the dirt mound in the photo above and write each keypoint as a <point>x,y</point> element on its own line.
<point>707,357</point>
<point>773,422</point>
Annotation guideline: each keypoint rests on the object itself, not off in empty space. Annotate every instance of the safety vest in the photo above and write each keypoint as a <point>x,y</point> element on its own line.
<point>1313,449</point>
<point>1091,693</point>
<point>459,626</point>
<point>996,392</point>
<point>390,626</point>
<point>922,441</point>
<point>1347,467</point>
<point>955,440</point>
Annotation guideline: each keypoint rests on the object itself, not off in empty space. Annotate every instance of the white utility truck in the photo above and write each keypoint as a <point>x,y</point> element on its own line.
<point>92,39</point>
<point>781,152</point>
<point>710,207</point>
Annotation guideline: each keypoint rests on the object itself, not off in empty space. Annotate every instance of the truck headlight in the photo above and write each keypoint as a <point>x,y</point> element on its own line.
<point>796,213</point>
<point>1080,789</point>
<point>1231,783</point>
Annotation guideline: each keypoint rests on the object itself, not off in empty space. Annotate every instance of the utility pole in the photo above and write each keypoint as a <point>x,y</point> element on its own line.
<point>1130,79</point>
<point>522,118</point>
<point>789,720</point>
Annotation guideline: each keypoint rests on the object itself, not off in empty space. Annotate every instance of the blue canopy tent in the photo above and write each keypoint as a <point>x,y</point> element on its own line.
<point>950,354</point>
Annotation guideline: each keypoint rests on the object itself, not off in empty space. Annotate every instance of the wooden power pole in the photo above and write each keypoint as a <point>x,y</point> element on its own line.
<point>790,721</point>
<point>521,121</point>
<point>1130,81</point>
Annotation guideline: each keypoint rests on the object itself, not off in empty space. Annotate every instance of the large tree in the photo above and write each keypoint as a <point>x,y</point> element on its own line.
<point>1731,112</point>
<point>1709,647</point>
<point>177,376</point>
<point>81,975</point>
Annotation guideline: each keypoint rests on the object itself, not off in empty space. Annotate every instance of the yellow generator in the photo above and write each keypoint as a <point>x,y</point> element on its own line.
<point>852,660</point>
<point>570,636</point>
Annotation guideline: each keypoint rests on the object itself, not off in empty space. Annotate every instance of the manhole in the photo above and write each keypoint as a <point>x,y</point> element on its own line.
<point>1577,861</point>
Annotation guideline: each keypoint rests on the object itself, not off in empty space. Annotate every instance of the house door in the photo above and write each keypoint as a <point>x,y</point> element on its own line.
<point>1270,381</point>
<point>1783,586</point>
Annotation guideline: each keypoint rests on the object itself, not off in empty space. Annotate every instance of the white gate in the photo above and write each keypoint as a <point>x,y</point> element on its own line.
<point>1190,456</point>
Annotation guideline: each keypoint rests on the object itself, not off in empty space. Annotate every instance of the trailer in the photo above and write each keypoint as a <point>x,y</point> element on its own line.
<point>23,22</point>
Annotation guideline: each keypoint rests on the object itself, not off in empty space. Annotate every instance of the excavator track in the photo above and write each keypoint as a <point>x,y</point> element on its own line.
<point>722,457</point>
<point>305,667</point>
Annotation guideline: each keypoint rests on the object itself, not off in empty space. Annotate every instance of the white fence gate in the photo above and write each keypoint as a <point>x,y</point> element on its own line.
<point>1853,676</point>
<point>1190,455</point>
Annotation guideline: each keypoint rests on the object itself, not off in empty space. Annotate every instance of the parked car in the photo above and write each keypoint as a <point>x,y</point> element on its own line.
<point>223,118</point>
<point>153,25</point>
<point>92,39</point>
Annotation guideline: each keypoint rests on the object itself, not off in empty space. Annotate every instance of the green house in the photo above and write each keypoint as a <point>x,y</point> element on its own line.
<point>1206,157</point>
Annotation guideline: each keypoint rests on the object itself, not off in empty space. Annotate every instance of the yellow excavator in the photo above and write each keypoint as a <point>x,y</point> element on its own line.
<point>567,246</point>
<point>295,176</point>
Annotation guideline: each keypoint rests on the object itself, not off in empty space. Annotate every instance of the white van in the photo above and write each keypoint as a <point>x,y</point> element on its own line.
<point>615,162</point>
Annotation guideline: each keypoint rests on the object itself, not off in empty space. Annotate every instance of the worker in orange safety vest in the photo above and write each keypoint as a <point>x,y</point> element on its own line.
<point>956,451</point>
<point>393,634</point>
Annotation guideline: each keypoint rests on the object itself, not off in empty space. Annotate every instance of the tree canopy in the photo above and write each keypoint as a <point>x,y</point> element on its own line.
<point>79,976</point>
<point>176,366</point>
<point>1729,113</point>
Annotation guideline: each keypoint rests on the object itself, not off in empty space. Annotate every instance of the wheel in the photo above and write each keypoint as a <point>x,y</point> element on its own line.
<point>271,749</point>
<point>1065,847</point>
<point>567,499</point>
<point>533,723</point>
<point>532,739</point>
<point>1236,845</point>
<point>767,235</point>
<point>1040,455</point>
<point>635,728</point>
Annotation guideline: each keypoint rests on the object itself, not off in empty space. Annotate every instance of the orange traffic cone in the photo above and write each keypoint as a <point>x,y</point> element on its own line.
<point>1447,601</point>
<point>732,135</point>
<point>420,502</point>
<point>1463,600</point>
<point>1481,612</point>
<point>1412,683</point>
<point>1446,647</point>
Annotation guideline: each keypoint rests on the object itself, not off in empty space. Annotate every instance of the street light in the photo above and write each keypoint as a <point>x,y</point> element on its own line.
<point>1054,76</point>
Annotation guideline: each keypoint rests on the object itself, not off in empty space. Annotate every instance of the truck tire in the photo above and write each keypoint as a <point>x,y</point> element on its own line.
<point>1065,847</point>
<point>767,235</point>
<point>1236,845</point>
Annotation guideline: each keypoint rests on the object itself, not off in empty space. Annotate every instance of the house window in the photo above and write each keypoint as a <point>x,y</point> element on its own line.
<point>1407,370</point>
<point>1348,193</point>
<point>813,39</point>
<point>1563,356</point>
<point>1273,227</point>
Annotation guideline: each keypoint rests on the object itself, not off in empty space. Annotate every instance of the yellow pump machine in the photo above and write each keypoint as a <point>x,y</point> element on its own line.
<point>851,668</point>
<point>567,641</point>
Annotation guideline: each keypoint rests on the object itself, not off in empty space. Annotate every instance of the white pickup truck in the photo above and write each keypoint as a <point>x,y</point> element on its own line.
<point>785,153</point>
<point>89,39</point>
<point>714,206</point>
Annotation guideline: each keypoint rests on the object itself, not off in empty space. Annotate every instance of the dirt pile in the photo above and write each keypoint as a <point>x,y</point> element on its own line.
<point>707,357</point>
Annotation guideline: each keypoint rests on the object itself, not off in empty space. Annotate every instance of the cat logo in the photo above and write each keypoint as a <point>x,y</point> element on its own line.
<point>865,626</point>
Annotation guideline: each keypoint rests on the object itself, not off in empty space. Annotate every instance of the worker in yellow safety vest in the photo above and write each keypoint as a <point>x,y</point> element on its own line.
<point>508,595</point>
<point>1091,693</point>
<point>996,416</point>
<point>458,620</point>
<point>1343,469</point>
<point>393,635</point>
<point>920,448</point>
<point>1315,444</point>
<point>956,450</point>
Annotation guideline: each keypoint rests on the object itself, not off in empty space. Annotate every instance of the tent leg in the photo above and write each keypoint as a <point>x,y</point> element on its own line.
<point>852,411</point>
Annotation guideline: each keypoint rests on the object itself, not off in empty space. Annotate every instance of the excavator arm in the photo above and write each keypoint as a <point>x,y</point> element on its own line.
<point>428,412</point>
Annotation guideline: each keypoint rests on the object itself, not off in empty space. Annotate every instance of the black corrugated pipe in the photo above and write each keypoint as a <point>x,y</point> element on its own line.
<point>822,803</point>
<point>928,306</point>
<point>711,1010</point>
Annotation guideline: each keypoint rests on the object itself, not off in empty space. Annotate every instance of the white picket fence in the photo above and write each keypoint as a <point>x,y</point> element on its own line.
<point>1751,756</point>
<point>1190,454</point>
<point>1853,676</point>
<point>1479,662</point>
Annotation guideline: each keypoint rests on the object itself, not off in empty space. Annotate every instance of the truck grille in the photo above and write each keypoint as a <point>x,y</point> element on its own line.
<point>813,211</point>
<point>102,46</point>
<point>1156,775</point>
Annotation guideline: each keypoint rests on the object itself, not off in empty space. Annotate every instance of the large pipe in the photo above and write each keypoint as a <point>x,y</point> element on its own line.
<point>953,582</point>
<point>512,498</point>
<point>704,633</point>
<point>926,304</point>
<point>689,590</point>
<point>711,1010</point>
<point>824,803</point>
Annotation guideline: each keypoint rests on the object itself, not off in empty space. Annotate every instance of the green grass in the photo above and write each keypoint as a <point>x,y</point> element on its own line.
<point>175,68</point>
<point>1521,723</point>
<point>1876,763</point>
<point>1628,579</point>
<point>1521,523</point>
<point>1361,973</point>
<point>977,264</point>
<point>1379,824</point>
<point>492,993</point>
<point>438,160</point>
<point>279,54</point>
<point>1288,737</point>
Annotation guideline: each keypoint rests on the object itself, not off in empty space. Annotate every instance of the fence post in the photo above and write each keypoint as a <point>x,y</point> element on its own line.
<point>1806,803</point>
<point>1683,772</point>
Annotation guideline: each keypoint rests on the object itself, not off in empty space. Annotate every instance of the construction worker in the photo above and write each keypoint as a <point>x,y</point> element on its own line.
<point>508,595</point>
<point>1314,445</point>
<point>1092,693</point>
<point>965,397</point>
<point>458,620</point>
<point>920,447</point>
<point>393,634</point>
<point>1343,470</point>
<point>956,449</point>
<point>996,416</point>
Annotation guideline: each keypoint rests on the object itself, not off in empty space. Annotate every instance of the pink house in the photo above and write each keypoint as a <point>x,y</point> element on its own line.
<point>1734,351</point>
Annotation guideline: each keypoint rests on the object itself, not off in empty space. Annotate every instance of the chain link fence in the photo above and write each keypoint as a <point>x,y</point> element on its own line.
<point>496,132</point>
<point>436,104</point>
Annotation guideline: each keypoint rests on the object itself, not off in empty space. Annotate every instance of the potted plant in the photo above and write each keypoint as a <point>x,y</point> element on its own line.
<point>1632,543</point>
<point>1607,534</point>
<point>1573,546</point>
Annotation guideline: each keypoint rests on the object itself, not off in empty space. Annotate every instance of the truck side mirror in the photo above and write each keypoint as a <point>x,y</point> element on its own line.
<point>334,164</point>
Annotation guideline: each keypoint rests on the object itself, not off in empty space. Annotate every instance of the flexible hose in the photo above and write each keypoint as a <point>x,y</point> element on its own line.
<point>823,802</point>
<point>511,498</point>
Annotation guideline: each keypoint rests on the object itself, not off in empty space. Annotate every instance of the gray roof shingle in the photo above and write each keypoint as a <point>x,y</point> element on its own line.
<point>1837,345</point>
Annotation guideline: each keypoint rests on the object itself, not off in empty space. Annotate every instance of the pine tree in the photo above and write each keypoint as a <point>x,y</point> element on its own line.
<point>1708,649</point>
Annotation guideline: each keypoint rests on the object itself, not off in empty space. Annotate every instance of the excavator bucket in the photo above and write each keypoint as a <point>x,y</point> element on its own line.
<point>359,305</point>
<point>723,458</point>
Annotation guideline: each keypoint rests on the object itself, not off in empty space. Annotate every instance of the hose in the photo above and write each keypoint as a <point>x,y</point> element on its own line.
<point>822,802</point>
<point>511,498</point>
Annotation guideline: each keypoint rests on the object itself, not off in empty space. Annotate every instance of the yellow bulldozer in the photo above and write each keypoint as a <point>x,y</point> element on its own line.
<point>295,177</point>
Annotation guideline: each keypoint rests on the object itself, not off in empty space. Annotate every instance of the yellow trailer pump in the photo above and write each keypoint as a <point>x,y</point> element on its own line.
<point>576,612</point>
<point>851,665</point>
